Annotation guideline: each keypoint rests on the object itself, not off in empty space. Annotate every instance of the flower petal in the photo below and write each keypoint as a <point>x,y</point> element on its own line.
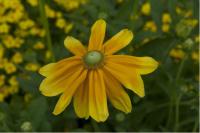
<point>66,97</point>
<point>116,94</point>
<point>53,68</point>
<point>144,65</point>
<point>129,78</point>
<point>97,35</point>
<point>81,100</point>
<point>119,41</point>
<point>74,46</point>
<point>60,79</point>
<point>97,96</point>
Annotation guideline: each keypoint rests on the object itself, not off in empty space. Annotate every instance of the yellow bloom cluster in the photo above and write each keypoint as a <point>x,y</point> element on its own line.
<point>166,20</point>
<point>150,25</point>
<point>146,9</point>
<point>70,4</point>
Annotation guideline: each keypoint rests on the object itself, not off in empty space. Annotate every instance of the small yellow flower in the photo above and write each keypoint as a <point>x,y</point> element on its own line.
<point>146,8</point>
<point>150,25</point>
<point>94,74</point>
<point>32,67</point>
<point>33,2</point>
<point>50,12</point>
<point>165,27</point>
<point>17,58</point>
<point>60,23</point>
<point>166,18</point>
<point>195,56</point>
<point>4,28</point>
<point>177,53</point>
<point>39,45</point>
<point>9,67</point>
<point>69,27</point>
<point>13,81</point>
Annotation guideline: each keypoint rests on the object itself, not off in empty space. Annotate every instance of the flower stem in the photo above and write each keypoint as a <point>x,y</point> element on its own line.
<point>45,24</point>
<point>176,126</point>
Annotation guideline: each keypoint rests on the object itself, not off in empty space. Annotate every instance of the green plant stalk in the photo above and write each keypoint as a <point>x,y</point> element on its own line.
<point>95,126</point>
<point>45,24</point>
<point>176,125</point>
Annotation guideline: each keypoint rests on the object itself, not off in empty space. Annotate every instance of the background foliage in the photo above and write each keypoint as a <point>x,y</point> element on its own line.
<point>167,30</point>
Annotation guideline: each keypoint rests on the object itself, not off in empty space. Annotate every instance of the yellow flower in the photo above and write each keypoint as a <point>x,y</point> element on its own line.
<point>60,23</point>
<point>177,53</point>
<point>166,18</point>
<point>33,2</point>
<point>94,74</point>
<point>195,56</point>
<point>13,81</point>
<point>146,8</point>
<point>4,28</point>
<point>165,27</point>
<point>39,45</point>
<point>32,67</point>
<point>17,58</point>
<point>150,25</point>
<point>9,67</point>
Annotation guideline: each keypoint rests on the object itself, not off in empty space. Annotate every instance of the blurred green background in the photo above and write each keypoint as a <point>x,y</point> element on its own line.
<point>166,30</point>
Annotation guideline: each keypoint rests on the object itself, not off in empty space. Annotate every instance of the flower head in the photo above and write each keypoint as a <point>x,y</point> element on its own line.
<point>94,75</point>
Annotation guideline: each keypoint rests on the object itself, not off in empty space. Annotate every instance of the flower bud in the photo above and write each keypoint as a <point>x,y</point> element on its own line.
<point>182,29</point>
<point>26,126</point>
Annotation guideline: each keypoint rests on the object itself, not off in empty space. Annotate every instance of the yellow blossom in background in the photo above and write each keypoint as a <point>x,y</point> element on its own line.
<point>60,23</point>
<point>191,22</point>
<point>48,54</point>
<point>95,74</point>
<point>166,18</point>
<point>178,10</point>
<point>13,81</point>
<point>146,9</point>
<point>68,27</point>
<point>195,56</point>
<point>26,24</point>
<point>165,27</point>
<point>50,12</point>
<point>4,28</point>
<point>12,42</point>
<point>70,4</point>
<point>17,58</point>
<point>39,45</point>
<point>177,53</point>
<point>9,67</point>
<point>33,2</point>
<point>150,25</point>
<point>32,67</point>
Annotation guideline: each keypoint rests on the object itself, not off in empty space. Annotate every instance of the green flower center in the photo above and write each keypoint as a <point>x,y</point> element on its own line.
<point>93,59</point>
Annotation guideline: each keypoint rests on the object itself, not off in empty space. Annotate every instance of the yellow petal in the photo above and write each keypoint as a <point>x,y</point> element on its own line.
<point>60,80</point>
<point>97,35</point>
<point>119,41</point>
<point>97,96</point>
<point>143,65</point>
<point>81,100</point>
<point>74,46</point>
<point>130,79</point>
<point>52,68</point>
<point>116,94</point>
<point>66,97</point>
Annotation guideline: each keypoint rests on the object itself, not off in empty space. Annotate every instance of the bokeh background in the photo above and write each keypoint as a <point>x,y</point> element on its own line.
<point>32,34</point>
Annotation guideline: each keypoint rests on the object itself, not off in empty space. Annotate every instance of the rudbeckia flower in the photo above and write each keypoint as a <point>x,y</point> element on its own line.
<point>94,75</point>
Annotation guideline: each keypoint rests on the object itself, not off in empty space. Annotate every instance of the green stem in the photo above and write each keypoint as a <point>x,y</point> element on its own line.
<point>181,68</point>
<point>45,24</point>
<point>176,126</point>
